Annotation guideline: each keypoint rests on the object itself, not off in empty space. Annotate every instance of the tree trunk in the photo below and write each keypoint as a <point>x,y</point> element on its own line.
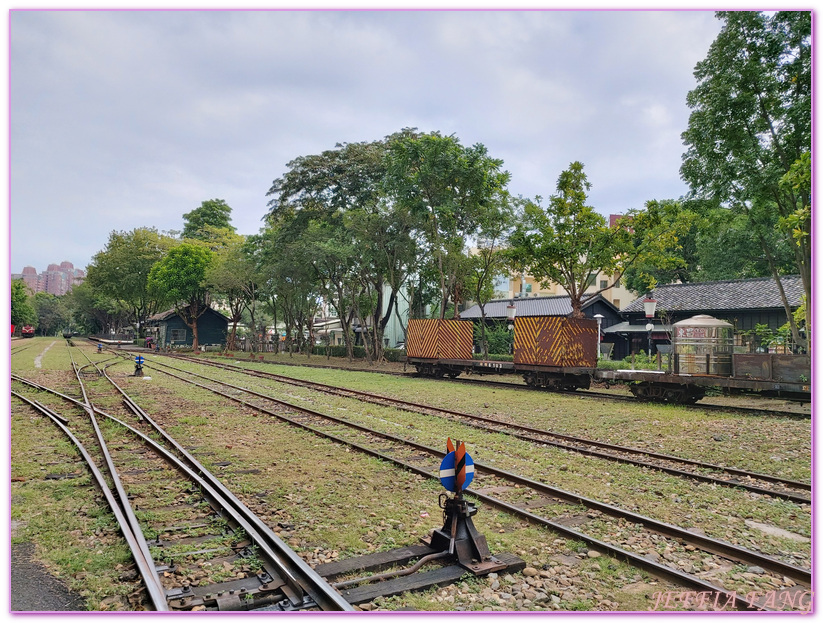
<point>443,294</point>
<point>787,308</point>
<point>483,331</point>
<point>232,336</point>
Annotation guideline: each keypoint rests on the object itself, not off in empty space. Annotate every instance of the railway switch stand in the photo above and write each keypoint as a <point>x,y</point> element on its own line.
<point>457,543</point>
<point>138,365</point>
<point>458,535</point>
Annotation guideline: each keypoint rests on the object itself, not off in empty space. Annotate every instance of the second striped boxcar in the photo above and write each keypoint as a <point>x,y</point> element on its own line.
<point>555,351</point>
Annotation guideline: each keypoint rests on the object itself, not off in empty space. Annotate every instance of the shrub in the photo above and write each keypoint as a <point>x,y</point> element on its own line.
<point>498,336</point>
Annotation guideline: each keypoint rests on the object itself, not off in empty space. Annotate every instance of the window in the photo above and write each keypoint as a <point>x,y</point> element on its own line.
<point>590,281</point>
<point>528,287</point>
<point>604,284</point>
<point>178,335</point>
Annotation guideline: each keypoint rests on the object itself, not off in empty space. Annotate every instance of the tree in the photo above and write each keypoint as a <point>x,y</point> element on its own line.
<point>749,126</point>
<point>568,243</point>
<point>179,278</point>
<point>448,187</point>
<point>200,223</point>
<point>51,314</point>
<point>712,243</point>
<point>94,312</point>
<point>21,310</point>
<point>488,263</point>
<point>232,277</point>
<point>355,242</point>
<point>121,270</point>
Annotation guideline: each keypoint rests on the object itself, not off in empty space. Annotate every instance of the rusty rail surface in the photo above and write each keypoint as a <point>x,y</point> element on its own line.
<point>708,544</point>
<point>415,407</point>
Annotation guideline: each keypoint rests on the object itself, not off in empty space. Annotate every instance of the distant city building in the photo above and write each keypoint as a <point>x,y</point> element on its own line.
<point>57,279</point>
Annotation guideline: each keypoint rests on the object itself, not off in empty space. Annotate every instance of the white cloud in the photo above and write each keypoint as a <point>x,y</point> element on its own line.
<point>121,119</point>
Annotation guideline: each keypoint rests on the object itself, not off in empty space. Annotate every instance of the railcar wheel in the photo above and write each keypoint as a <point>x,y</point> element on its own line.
<point>675,395</point>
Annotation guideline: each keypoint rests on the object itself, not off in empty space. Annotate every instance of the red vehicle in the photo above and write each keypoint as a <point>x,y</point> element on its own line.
<point>27,331</point>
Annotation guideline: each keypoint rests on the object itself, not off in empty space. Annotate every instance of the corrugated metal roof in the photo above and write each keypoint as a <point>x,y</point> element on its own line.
<point>759,293</point>
<point>626,327</point>
<point>534,306</point>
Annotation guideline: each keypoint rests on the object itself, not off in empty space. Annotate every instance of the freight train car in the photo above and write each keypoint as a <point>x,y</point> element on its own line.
<point>703,356</point>
<point>560,353</point>
<point>779,376</point>
<point>555,352</point>
<point>552,352</point>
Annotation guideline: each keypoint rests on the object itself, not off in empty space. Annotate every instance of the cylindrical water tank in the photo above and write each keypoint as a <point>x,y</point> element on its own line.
<point>703,345</point>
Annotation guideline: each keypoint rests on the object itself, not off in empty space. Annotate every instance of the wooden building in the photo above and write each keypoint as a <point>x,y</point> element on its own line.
<point>744,303</point>
<point>168,329</point>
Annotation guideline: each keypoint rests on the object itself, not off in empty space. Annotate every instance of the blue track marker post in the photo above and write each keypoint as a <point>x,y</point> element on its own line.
<point>458,535</point>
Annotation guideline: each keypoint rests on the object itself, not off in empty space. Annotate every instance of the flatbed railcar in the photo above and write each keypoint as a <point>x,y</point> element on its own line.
<point>561,354</point>
<point>768,374</point>
<point>551,352</point>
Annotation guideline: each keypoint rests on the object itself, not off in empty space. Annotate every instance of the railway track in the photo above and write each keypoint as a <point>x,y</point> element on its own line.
<point>606,523</point>
<point>763,484</point>
<point>584,394</point>
<point>19,349</point>
<point>196,546</point>
<point>599,395</point>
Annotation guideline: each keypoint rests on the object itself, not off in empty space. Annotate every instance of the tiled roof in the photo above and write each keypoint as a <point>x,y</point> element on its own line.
<point>533,306</point>
<point>159,317</point>
<point>760,293</point>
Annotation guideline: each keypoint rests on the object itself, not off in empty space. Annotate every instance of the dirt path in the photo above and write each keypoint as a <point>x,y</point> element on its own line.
<point>39,359</point>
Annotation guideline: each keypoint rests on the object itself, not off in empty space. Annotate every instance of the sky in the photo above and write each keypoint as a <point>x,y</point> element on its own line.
<point>130,118</point>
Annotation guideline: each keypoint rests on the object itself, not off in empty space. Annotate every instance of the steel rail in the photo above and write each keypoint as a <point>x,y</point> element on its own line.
<point>317,589</point>
<point>657,569</point>
<point>415,407</point>
<point>517,386</point>
<point>145,565</point>
<point>727,550</point>
<point>128,511</point>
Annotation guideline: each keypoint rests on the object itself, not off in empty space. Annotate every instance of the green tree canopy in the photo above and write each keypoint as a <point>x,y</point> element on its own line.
<point>21,310</point>
<point>121,270</point>
<point>200,223</point>
<point>331,206</point>
<point>180,279</point>
<point>751,123</point>
<point>451,189</point>
<point>94,312</point>
<point>51,313</point>
<point>567,241</point>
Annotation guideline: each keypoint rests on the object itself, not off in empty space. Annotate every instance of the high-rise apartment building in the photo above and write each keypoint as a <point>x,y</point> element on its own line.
<point>57,279</point>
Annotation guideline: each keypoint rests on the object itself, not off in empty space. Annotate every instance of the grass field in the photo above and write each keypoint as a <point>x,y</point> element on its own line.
<point>329,502</point>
